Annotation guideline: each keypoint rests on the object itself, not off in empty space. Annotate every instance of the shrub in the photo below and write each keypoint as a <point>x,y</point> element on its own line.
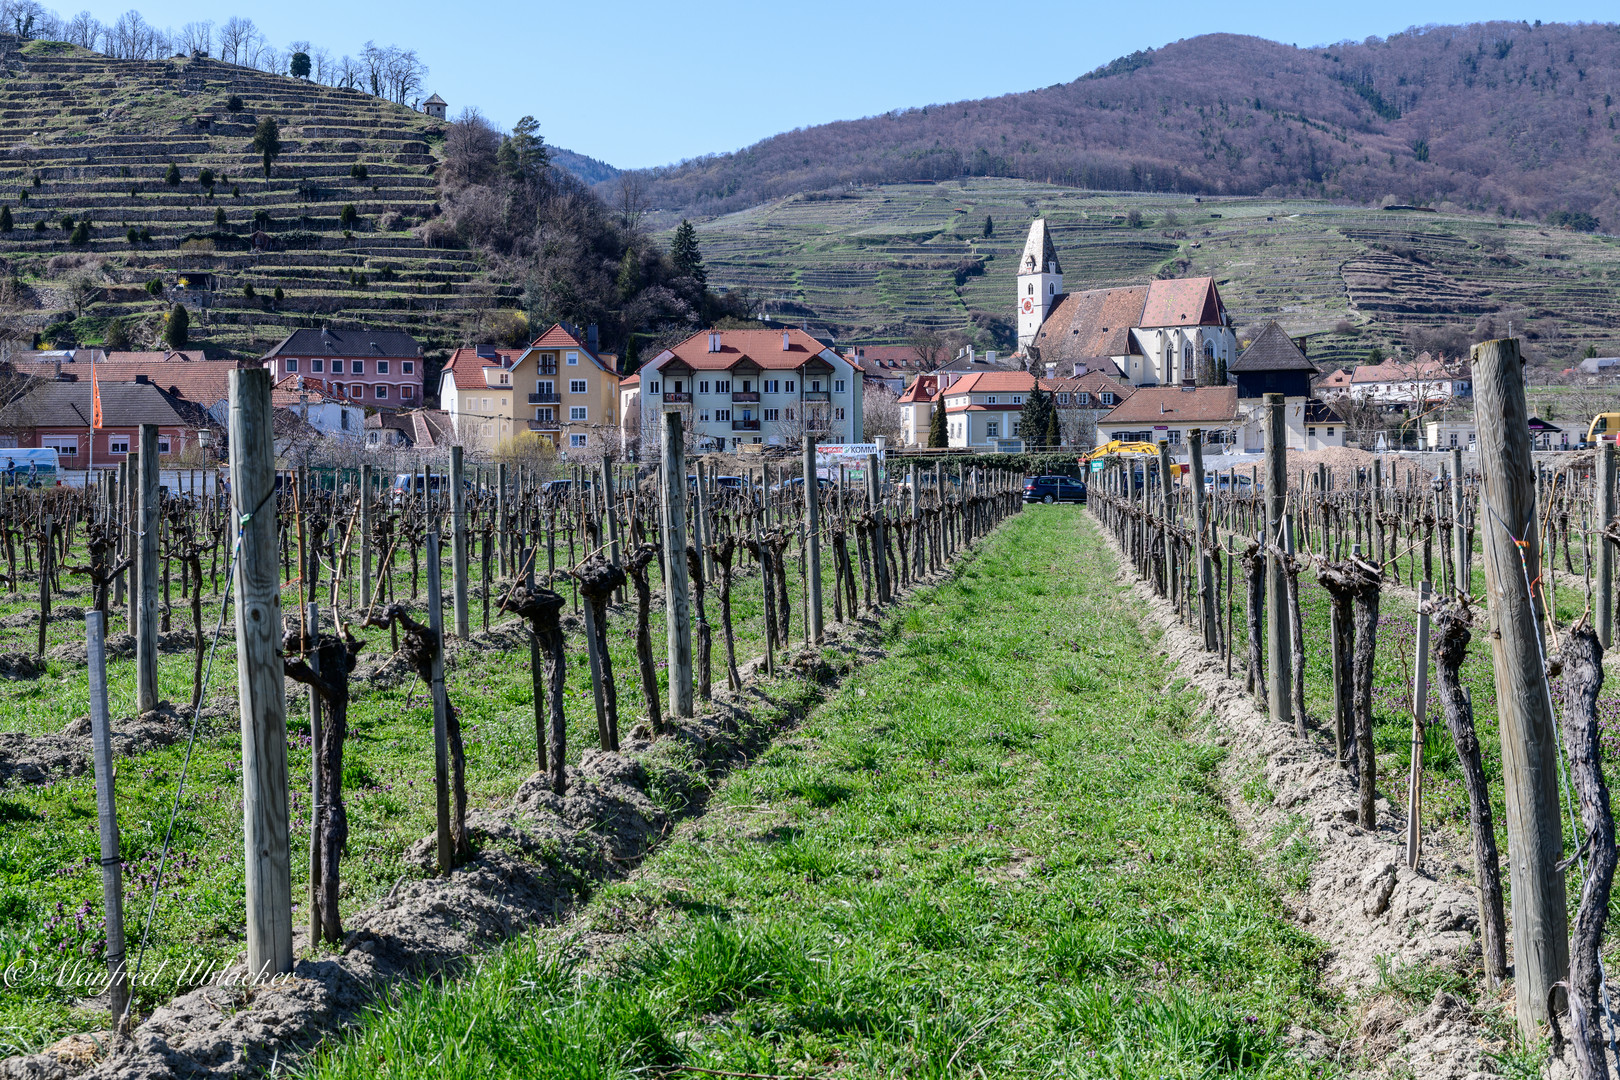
<point>219,217</point>
<point>67,222</point>
<point>133,235</point>
<point>234,103</point>
<point>37,180</point>
<point>298,65</point>
<point>172,175</point>
<point>236,192</point>
<point>358,171</point>
<point>278,294</point>
<point>117,335</point>
<point>247,290</point>
<point>206,179</point>
<point>155,286</point>
<point>177,326</point>
<point>1134,219</point>
<point>261,219</point>
<point>348,215</point>
<point>134,192</point>
<point>39,226</point>
<point>22,196</point>
<point>146,235</point>
<point>81,234</point>
<point>5,219</point>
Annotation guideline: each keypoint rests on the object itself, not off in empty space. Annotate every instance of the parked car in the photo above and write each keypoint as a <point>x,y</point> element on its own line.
<point>1052,489</point>
<point>796,484</point>
<point>406,483</point>
<point>556,491</point>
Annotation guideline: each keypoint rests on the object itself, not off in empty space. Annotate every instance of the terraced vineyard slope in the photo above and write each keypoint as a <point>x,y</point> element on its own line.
<point>876,263</point>
<point>128,145</point>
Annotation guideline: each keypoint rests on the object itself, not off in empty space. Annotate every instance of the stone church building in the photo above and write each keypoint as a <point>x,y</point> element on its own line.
<point>1175,332</point>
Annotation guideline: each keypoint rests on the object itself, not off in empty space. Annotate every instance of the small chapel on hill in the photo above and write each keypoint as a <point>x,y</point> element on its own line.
<point>1174,332</point>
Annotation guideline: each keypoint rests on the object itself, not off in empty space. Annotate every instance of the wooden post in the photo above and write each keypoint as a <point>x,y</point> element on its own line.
<point>313,661</point>
<point>441,705</point>
<point>1604,499</point>
<point>1206,585</point>
<point>365,537</point>
<point>132,518</point>
<point>146,568</point>
<point>1278,655</point>
<point>112,866</point>
<point>260,688</point>
<point>1420,711</point>
<point>1524,708</point>
<point>875,508</point>
<point>458,541</point>
<point>677,585</point>
<point>812,528</point>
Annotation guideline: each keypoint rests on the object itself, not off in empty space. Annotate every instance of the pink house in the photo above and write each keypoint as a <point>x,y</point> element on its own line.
<point>381,368</point>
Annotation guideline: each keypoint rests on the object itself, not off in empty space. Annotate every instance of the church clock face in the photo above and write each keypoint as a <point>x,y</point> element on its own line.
<point>1029,305</point>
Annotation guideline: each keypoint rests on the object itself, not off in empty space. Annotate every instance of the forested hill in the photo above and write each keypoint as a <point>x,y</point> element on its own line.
<point>1490,116</point>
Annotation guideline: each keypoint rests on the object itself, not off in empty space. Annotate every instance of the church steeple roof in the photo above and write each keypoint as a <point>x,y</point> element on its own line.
<point>1040,257</point>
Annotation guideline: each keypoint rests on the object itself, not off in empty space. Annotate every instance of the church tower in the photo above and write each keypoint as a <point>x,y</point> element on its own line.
<point>1040,282</point>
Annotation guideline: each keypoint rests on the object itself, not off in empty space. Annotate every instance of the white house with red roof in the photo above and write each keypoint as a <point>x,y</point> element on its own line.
<point>981,409</point>
<point>737,387</point>
<point>917,410</point>
<point>1174,332</point>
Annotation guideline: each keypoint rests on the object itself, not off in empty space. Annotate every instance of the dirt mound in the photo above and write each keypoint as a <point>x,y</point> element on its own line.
<point>19,665</point>
<point>41,759</point>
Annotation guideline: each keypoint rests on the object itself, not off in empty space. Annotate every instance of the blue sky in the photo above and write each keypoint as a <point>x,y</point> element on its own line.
<point>641,83</point>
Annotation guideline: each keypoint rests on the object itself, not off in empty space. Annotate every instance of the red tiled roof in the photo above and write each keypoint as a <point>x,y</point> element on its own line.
<point>468,366</point>
<point>1182,302</point>
<point>989,382</point>
<point>1091,324</point>
<point>204,382</point>
<point>1092,382</point>
<point>630,381</point>
<point>763,347</point>
<point>556,337</point>
<point>1337,378</point>
<point>1399,371</point>
<point>157,356</point>
<point>922,389</point>
<point>296,389</point>
<point>1174,405</point>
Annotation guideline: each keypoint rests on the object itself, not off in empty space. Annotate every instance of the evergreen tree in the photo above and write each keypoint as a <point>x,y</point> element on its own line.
<point>1220,372</point>
<point>5,219</point>
<point>172,176</point>
<point>989,227</point>
<point>629,282</point>
<point>177,327</point>
<point>299,65</point>
<point>685,256</point>
<point>81,234</point>
<point>1053,437</point>
<point>267,141</point>
<point>1032,420</point>
<point>937,439</point>
<point>523,155</point>
<point>117,336</point>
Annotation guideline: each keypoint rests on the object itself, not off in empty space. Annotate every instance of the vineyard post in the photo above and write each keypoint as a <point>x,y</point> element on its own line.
<point>260,688</point>
<point>1278,656</point>
<point>501,530</point>
<point>312,660</point>
<point>875,507</point>
<point>365,537</point>
<point>677,585</point>
<point>1206,588</point>
<point>458,540</point>
<point>1420,709</point>
<point>1529,751</point>
<point>112,872</point>
<point>700,523</point>
<point>1605,563</point>
<point>146,634</point>
<point>132,483</point>
<point>441,704</point>
<point>812,525</point>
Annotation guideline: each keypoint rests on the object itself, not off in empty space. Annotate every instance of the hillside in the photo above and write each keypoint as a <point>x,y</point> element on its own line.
<point>876,263</point>
<point>1503,117</point>
<point>84,135</point>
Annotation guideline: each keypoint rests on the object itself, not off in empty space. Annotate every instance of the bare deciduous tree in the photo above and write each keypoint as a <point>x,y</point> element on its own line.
<point>197,37</point>
<point>880,415</point>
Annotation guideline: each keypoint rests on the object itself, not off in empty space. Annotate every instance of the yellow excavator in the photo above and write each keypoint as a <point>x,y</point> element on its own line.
<point>1125,449</point>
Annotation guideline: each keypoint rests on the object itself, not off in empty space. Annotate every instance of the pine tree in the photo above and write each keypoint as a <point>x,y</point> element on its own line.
<point>685,256</point>
<point>177,327</point>
<point>989,227</point>
<point>937,439</point>
<point>629,282</point>
<point>219,218</point>
<point>81,233</point>
<point>1220,372</point>
<point>1032,420</point>
<point>172,177</point>
<point>298,65</point>
<point>1053,438</point>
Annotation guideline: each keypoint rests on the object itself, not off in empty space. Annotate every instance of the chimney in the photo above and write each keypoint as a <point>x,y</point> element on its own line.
<point>591,337</point>
<point>786,343</point>
<point>714,341</point>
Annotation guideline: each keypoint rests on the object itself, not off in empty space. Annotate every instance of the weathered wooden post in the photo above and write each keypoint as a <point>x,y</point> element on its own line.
<point>1206,584</point>
<point>812,528</point>
<point>112,866</point>
<point>875,508</point>
<point>1604,499</point>
<point>365,537</point>
<point>458,541</point>
<point>1278,654</point>
<point>260,689</point>
<point>441,706</point>
<point>1420,711</point>
<point>312,660</point>
<point>677,585</point>
<point>146,571</point>
<point>1512,554</point>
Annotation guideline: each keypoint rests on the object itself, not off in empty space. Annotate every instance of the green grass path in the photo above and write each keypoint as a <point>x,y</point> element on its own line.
<point>994,852</point>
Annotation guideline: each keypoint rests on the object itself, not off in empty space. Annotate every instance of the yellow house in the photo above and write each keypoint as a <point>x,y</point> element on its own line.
<point>570,394</point>
<point>477,389</point>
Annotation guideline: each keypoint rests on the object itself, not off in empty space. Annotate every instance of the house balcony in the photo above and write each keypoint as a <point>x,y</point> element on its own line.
<point>545,425</point>
<point>818,395</point>
<point>745,425</point>
<point>548,369</point>
<point>672,398</point>
<point>544,399</point>
<point>745,396</point>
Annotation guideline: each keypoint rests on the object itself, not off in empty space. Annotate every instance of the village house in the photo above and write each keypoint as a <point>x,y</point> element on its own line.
<point>629,412</point>
<point>573,403</point>
<point>982,409</point>
<point>421,429</point>
<point>1170,332</point>
<point>321,409</point>
<point>752,386</point>
<point>1081,400</point>
<point>380,368</point>
<point>1425,380</point>
<point>1170,412</point>
<point>56,413</point>
<point>477,392</point>
<point>205,383</point>
<point>1463,433</point>
<point>894,366</point>
<point>1274,363</point>
<point>917,410</point>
